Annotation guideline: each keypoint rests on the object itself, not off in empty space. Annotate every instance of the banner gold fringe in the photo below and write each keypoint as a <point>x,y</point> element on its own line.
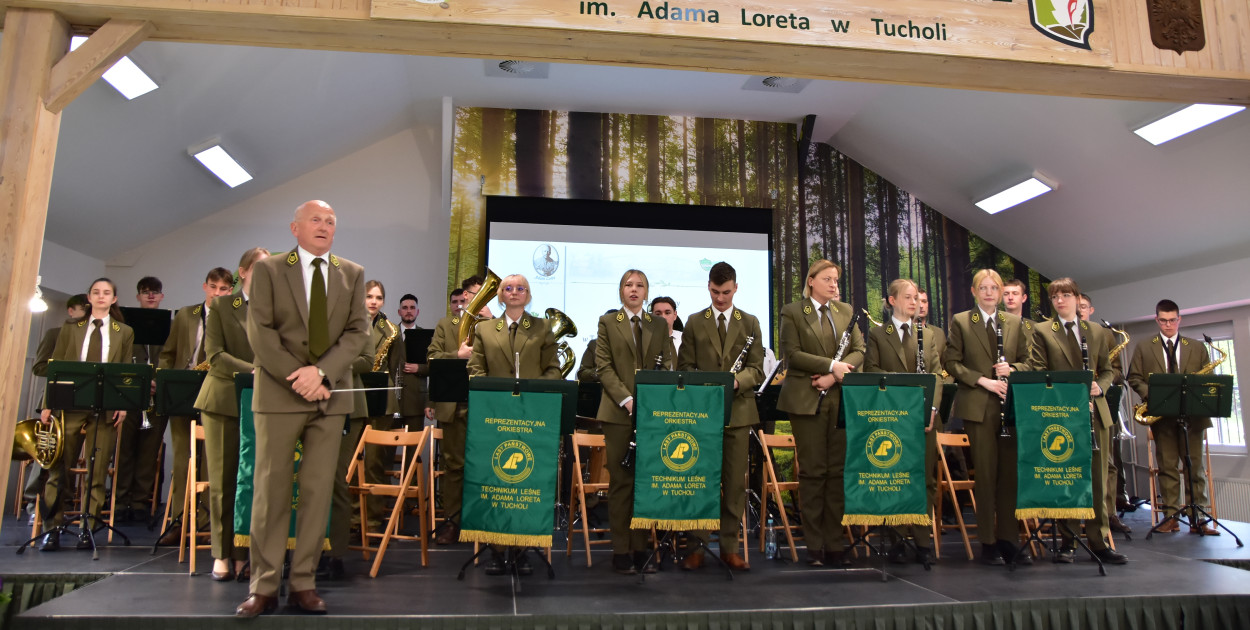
<point>892,520</point>
<point>498,538</point>
<point>665,524</point>
<point>1055,513</point>
<point>245,540</point>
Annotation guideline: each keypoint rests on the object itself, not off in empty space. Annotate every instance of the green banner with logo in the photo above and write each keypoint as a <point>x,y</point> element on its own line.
<point>245,484</point>
<point>885,476</point>
<point>1052,426</point>
<point>678,463</point>
<point>510,460</point>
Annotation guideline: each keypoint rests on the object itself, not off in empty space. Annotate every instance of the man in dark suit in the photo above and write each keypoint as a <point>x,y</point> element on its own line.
<point>1168,352</point>
<point>307,323</point>
<point>711,342</point>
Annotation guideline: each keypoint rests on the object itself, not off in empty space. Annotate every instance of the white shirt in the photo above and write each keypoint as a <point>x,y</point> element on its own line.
<point>676,336</point>
<point>1176,347</point>
<point>989,317</point>
<point>898,326</point>
<point>306,261</point>
<point>104,338</point>
<point>199,337</point>
<point>1076,329</point>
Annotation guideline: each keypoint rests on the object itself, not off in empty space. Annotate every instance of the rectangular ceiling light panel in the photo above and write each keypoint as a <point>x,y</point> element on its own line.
<point>124,76</point>
<point>1015,195</point>
<point>223,166</point>
<point>1184,121</point>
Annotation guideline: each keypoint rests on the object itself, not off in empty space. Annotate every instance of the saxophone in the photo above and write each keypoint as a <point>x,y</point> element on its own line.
<point>1115,352</point>
<point>391,333</point>
<point>1139,411</point>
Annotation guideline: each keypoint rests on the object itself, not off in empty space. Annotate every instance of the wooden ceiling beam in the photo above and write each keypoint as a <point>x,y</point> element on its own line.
<point>75,72</point>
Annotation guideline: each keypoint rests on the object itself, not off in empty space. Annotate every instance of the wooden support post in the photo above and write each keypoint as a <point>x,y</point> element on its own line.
<point>34,40</point>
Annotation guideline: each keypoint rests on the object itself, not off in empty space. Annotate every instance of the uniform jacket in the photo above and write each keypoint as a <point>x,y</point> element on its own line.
<point>277,328</point>
<point>616,362</point>
<point>412,399</point>
<point>1148,359</point>
<point>1051,352</point>
<point>493,350</point>
<point>969,355</point>
<point>887,354</point>
<point>702,350</point>
<point>229,353</point>
<point>176,353</point>
<point>806,355</point>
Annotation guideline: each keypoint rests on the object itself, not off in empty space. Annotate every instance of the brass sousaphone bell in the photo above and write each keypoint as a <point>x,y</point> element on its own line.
<point>562,326</point>
<point>470,318</point>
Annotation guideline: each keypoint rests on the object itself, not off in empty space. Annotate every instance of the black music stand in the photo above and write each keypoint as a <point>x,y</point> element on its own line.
<point>417,344</point>
<point>1080,377</point>
<point>724,380</point>
<point>1184,396</point>
<point>97,388</point>
<point>929,383</point>
<point>176,391</point>
<point>449,382</point>
<point>568,417</point>
<point>376,398</point>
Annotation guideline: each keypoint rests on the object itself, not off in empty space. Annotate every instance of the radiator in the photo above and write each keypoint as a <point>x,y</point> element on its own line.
<point>1232,499</point>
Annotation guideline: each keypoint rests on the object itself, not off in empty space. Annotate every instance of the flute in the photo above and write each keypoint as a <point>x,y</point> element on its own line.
<point>842,346</point>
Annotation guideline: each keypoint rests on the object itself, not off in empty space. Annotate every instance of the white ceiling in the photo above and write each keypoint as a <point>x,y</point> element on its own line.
<point>1123,208</point>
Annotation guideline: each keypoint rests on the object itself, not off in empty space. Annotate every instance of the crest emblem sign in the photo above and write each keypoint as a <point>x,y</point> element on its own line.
<point>1068,21</point>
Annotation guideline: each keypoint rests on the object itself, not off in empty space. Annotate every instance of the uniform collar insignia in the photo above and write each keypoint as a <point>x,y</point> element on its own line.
<point>198,308</point>
<point>292,258</point>
<point>707,314</point>
<point>238,301</point>
<point>889,329</point>
<point>1055,325</point>
<point>620,316</point>
<point>525,321</point>
<point>499,325</point>
<point>647,317</point>
<point>334,260</point>
<point>82,322</point>
<point>807,308</point>
<point>1028,325</point>
<point>1155,340</point>
<point>737,314</point>
<point>455,321</point>
<point>116,327</point>
<point>1084,325</point>
<point>833,306</point>
<point>976,316</point>
<point>1184,341</point>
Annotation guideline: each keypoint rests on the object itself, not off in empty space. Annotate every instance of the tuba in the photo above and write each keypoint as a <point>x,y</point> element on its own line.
<point>490,288</point>
<point>562,326</point>
<point>32,441</point>
<point>1139,411</point>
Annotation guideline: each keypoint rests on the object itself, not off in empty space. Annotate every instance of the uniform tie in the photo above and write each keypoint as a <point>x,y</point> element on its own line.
<point>1073,344</point>
<point>826,329</point>
<point>1171,362</point>
<point>512,337</point>
<point>638,340</point>
<point>720,328</point>
<point>992,336</point>
<point>909,346</point>
<point>95,352</point>
<point>318,326</point>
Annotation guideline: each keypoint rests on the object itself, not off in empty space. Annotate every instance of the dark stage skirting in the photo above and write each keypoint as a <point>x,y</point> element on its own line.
<point>1173,581</point>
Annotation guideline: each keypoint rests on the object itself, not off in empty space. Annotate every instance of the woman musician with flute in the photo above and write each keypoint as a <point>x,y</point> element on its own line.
<point>980,364</point>
<point>630,339</point>
<point>820,343</point>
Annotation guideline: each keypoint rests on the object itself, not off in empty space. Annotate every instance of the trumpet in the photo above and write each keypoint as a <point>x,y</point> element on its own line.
<point>1139,411</point>
<point>490,288</point>
<point>43,445</point>
<point>562,326</point>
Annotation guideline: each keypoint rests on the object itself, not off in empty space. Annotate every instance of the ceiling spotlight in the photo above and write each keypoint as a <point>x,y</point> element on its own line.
<point>517,67</point>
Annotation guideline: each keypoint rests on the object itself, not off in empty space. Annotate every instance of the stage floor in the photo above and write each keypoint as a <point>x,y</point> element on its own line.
<point>139,585</point>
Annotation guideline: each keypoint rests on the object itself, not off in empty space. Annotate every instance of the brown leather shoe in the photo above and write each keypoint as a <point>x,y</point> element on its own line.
<point>1169,527</point>
<point>256,605</point>
<point>692,561</point>
<point>735,562</point>
<point>171,537</point>
<point>307,601</point>
<point>1205,530</point>
<point>449,535</point>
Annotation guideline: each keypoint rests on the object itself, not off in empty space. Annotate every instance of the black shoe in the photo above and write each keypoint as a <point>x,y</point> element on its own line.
<point>623,563</point>
<point>50,541</point>
<point>1110,556</point>
<point>815,558</point>
<point>924,555</point>
<point>330,569</point>
<point>523,564</point>
<point>449,534</point>
<point>84,542</point>
<point>643,563</point>
<point>991,555</point>
<point>898,553</point>
<point>837,559</point>
<point>495,565</point>
<point>1066,555</point>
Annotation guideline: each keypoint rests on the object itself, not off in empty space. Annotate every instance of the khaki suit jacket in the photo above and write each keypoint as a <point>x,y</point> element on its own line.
<point>70,339</point>
<point>412,401</point>
<point>969,356</point>
<point>229,353</point>
<point>887,354</point>
<point>702,350</point>
<point>277,329</point>
<point>806,355</point>
<point>1148,359</point>
<point>1051,352</point>
<point>616,362</point>
<point>493,349</point>
<point>176,353</point>
<point>43,354</point>
<point>443,345</point>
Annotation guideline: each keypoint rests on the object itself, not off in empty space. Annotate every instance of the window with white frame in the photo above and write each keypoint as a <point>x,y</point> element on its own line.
<point>1230,431</point>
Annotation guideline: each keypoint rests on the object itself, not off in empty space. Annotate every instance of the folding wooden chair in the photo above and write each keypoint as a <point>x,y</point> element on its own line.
<point>432,473</point>
<point>189,537</point>
<point>590,478</point>
<point>949,488</point>
<point>771,488</point>
<point>412,485</point>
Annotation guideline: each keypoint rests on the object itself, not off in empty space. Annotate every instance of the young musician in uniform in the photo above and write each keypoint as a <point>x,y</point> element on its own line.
<point>812,330</point>
<point>445,344</point>
<point>629,340</point>
<point>496,346</point>
<point>185,350</point>
<point>1116,495</point>
<point>712,341</point>
<point>1015,296</point>
<point>101,337</point>
<point>895,347</point>
<point>412,398</point>
<point>1170,353</point>
<point>1057,347</point>
<point>229,353</point>
<point>137,471</point>
<point>75,308</point>
<point>922,318</point>
<point>973,359</point>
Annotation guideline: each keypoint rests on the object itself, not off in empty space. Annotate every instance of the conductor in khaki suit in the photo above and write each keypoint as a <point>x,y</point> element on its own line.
<point>973,360</point>
<point>307,323</point>
<point>1170,353</point>
<point>629,339</point>
<point>811,331</point>
<point>712,341</point>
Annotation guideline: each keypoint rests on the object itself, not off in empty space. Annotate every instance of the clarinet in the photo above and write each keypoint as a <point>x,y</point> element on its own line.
<point>920,369</point>
<point>1003,432</point>
<point>1093,433</point>
<point>742,356</point>
<point>842,346</point>
<point>627,462</point>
